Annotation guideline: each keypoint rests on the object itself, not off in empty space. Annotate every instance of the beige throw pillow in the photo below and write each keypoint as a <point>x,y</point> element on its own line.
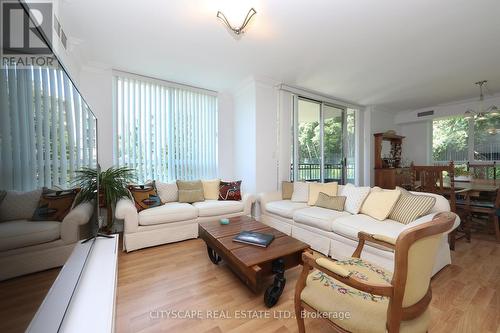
<point>410,206</point>
<point>286,190</point>
<point>316,188</point>
<point>190,191</point>
<point>300,192</point>
<point>167,192</point>
<point>330,202</point>
<point>379,203</point>
<point>211,189</point>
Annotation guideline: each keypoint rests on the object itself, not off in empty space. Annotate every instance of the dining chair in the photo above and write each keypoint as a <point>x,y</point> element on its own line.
<point>483,171</point>
<point>440,179</point>
<point>354,295</point>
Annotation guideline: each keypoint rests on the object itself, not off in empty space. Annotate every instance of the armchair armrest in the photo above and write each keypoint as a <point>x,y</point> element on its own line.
<point>376,239</point>
<point>341,274</point>
<point>247,200</point>
<point>126,211</point>
<point>265,198</point>
<point>70,226</point>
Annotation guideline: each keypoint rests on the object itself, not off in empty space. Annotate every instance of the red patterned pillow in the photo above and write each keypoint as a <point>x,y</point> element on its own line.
<point>230,190</point>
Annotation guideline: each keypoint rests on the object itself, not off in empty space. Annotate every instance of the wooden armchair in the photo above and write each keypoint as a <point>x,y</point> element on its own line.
<point>357,296</point>
<point>431,179</point>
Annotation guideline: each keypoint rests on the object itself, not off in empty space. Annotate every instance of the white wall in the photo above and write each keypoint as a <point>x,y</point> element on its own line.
<point>375,120</point>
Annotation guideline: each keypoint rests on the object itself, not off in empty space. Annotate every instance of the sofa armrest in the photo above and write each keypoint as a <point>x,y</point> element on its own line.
<point>265,198</point>
<point>247,200</point>
<point>126,211</point>
<point>78,216</point>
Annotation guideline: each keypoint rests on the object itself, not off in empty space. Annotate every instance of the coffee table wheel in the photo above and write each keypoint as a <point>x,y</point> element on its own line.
<point>214,257</point>
<point>273,293</point>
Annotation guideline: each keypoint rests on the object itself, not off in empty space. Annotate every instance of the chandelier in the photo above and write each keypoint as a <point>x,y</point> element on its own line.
<point>481,113</point>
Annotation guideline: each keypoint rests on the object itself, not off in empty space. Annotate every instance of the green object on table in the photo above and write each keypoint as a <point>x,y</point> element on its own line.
<point>224,221</point>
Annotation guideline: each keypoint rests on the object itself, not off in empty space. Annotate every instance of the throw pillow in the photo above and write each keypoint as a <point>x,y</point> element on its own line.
<point>54,205</point>
<point>286,190</point>
<point>190,191</point>
<point>145,196</point>
<point>316,188</point>
<point>410,206</point>
<point>167,192</point>
<point>355,196</point>
<point>330,201</point>
<point>300,192</point>
<point>230,190</point>
<point>379,203</point>
<point>211,189</point>
<point>19,205</point>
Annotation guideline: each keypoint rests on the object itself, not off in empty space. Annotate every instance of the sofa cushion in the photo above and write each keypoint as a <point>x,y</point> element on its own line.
<point>286,190</point>
<point>355,197</point>
<point>409,207</point>
<point>218,207</point>
<point>284,208</point>
<point>330,202</point>
<point>211,189</point>
<point>300,192</point>
<point>145,196</point>
<point>19,205</point>
<point>316,188</point>
<point>318,217</point>
<point>379,203</point>
<point>349,226</point>
<point>168,192</point>
<point>22,233</point>
<point>167,213</point>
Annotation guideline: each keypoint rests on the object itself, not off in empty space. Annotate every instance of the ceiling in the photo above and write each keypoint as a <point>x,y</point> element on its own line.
<point>399,55</point>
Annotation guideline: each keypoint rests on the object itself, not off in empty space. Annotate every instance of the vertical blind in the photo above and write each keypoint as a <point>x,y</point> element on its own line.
<point>164,131</point>
<point>47,130</point>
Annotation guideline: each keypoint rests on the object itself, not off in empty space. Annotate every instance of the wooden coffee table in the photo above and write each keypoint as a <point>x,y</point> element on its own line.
<point>249,262</point>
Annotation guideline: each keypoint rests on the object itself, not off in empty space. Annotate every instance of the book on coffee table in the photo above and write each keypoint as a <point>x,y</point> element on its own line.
<point>254,238</point>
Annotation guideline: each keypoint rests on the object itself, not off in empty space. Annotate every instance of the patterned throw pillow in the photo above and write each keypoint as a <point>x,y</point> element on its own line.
<point>230,190</point>
<point>19,205</point>
<point>410,206</point>
<point>168,192</point>
<point>54,205</point>
<point>190,191</point>
<point>355,197</point>
<point>286,190</point>
<point>330,201</point>
<point>145,196</point>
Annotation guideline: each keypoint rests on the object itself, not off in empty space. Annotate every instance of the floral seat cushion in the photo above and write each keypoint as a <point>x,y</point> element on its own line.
<point>367,312</point>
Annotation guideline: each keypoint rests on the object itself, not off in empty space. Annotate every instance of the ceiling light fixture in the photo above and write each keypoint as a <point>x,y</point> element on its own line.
<point>481,113</point>
<point>240,30</point>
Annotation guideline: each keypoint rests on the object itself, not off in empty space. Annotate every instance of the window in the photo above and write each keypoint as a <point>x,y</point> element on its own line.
<point>324,142</point>
<point>47,130</point>
<point>460,140</point>
<point>164,131</point>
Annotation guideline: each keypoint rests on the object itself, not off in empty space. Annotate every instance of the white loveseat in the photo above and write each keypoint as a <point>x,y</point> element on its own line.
<point>31,246</point>
<point>173,221</point>
<point>335,233</point>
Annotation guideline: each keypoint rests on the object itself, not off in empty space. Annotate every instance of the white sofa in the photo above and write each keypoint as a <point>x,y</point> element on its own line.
<point>173,221</point>
<point>335,233</point>
<point>32,246</point>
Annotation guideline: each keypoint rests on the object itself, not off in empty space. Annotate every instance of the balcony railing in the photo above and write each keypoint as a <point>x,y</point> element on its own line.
<point>332,172</point>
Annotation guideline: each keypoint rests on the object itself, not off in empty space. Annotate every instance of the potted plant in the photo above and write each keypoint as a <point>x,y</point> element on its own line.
<point>112,186</point>
<point>462,175</point>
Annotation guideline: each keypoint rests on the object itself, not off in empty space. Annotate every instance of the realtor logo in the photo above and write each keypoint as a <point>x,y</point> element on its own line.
<point>22,35</point>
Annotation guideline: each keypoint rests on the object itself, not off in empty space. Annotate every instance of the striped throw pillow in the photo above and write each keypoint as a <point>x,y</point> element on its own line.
<point>410,207</point>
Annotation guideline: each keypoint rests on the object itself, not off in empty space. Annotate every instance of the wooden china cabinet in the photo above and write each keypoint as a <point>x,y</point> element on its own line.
<point>388,171</point>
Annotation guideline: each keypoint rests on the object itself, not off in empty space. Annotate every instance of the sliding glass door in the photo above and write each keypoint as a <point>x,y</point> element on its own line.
<point>323,148</point>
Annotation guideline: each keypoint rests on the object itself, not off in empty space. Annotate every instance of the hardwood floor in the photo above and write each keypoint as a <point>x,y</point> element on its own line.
<point>180,277</point>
